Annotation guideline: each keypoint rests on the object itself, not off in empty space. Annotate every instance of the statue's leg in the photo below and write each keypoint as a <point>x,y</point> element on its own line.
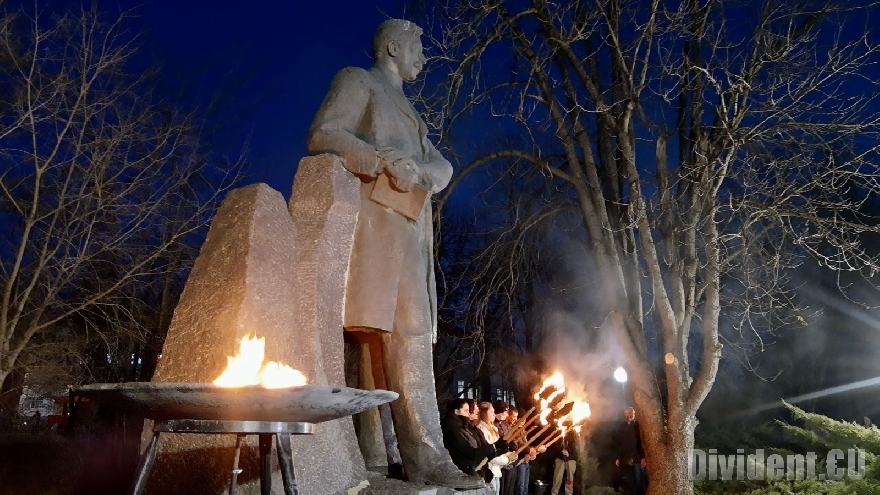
<point>374,428</point>
<point>409,371</point>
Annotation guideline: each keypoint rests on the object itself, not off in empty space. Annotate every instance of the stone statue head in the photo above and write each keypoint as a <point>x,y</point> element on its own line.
<point>399,41</point>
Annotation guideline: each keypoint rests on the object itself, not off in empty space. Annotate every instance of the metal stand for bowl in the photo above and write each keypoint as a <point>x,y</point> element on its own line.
<point>264,429</point>
<point>252,410</point>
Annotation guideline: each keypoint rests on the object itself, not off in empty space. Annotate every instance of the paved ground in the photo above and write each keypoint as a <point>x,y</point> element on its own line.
<point>95,463</point>
<point>90,463</point>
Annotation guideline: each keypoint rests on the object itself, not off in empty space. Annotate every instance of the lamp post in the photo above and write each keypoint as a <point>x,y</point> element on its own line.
<point>620,376</point>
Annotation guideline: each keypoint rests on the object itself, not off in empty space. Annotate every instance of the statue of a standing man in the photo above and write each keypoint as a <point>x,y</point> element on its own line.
<point>368,121</point>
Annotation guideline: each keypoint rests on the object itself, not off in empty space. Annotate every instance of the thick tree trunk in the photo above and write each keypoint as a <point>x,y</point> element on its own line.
<point>668,461</point>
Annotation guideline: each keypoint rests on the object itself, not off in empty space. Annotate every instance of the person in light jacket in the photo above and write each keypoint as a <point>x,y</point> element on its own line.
<point>492,435</point>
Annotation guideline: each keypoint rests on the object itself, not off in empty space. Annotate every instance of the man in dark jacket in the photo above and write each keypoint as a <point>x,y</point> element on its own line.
<point>466,448</point>
<point>630,455</point>
<point>523,470</point>
<point>508,472</point>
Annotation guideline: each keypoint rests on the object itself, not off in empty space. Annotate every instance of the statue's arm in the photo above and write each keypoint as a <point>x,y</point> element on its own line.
<point>437,171</point>
<point>334,127</point>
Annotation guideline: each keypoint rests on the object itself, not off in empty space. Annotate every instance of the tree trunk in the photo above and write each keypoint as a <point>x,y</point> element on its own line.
<point>668,461</point>
<point>6,366</point>
<point>3,374</point>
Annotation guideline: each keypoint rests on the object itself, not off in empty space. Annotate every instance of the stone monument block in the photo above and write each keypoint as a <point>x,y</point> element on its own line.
<point>240,284</point>
<point>324,207</point>
<point>245,282</point>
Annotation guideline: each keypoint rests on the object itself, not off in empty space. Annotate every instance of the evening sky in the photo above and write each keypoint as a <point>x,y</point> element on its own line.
<point>282,53</point>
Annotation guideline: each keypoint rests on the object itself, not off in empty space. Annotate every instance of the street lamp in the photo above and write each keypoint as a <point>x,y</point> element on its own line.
<point>620,376</point>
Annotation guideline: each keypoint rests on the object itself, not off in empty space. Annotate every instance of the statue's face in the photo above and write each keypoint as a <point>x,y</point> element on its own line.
<point>410,57</point>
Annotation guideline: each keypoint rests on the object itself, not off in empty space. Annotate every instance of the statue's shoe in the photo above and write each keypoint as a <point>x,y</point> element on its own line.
<point>449,476</point>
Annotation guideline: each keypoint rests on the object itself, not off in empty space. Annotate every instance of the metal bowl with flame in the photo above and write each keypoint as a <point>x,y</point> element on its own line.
<point>205,401</point>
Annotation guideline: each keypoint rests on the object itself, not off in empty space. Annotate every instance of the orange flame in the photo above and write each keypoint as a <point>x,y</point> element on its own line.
<point>556,380</point>
<point>579,412</point>
<point>574,419</point>
<point>545,412</point>
<point>247,368</point>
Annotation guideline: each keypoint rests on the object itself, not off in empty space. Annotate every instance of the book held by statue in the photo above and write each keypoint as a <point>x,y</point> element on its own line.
<point>408,204</point>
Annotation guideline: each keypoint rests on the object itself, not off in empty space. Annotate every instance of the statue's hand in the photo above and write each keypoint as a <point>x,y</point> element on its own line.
<point>404,171</point>
<point>389,155</point>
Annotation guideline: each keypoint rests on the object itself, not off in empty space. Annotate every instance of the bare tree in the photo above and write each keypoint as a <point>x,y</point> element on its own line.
<point>492,264</point>
<point>102,186</point>
<point>701,142</point>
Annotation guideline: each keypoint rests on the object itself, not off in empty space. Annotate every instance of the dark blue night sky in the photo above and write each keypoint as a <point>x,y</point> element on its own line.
<point>292,49</point>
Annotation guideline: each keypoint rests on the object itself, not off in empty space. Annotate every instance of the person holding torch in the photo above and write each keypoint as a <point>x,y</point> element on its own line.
<point>491,434</point>
<point>564,464</point>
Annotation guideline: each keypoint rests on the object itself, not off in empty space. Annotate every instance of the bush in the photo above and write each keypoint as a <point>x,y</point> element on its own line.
<point>807,432</point>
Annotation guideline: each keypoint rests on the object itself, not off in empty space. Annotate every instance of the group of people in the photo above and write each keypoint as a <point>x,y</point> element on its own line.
<point>474,434</point>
